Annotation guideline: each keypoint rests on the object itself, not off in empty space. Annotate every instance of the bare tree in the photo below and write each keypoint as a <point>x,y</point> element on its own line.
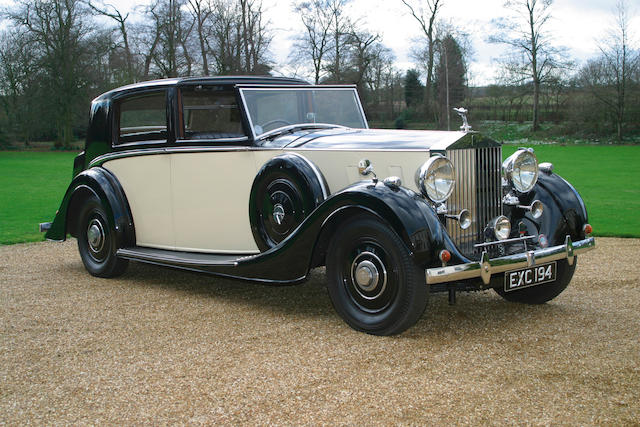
<point>316,40</point>
<point>19,77</point>
<point>255,38</point>
<point>239,40</point>
<point>57,29</point>
<point>609,76</point>
<point>451,72</point>
<point>340,29</point>
<point>426,17</point>
<point>363,52</point>
<point>201,11</point>
<point>112,12</point>
<point>532,58</point>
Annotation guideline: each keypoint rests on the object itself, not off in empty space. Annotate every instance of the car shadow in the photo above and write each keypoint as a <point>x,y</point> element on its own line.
<point>474,313</point>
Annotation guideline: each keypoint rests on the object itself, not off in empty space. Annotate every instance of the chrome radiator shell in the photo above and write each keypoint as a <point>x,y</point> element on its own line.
<point>478,189</point>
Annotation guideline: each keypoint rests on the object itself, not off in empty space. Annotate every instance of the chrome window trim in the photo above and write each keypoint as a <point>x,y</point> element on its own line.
<point>121,97</point>
<point>213,140</point>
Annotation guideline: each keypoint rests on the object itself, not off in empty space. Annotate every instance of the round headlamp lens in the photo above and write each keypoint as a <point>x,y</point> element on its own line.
<point>436,178</point>
<point>521,168</point>
<point>502,228</point>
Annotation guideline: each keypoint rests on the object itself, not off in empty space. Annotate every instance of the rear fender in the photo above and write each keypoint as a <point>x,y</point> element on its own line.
<point>102,184</point>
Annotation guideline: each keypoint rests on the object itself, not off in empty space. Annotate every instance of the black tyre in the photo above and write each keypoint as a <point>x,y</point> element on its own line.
<point>373,282</point>
<point>546,292</point>
<point>97,243</point>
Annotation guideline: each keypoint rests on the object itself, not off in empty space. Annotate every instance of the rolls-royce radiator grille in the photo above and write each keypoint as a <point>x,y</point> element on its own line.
<point>478,189</point>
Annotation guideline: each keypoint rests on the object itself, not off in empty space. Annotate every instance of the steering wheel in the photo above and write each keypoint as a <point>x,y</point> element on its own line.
<point>266,125</point>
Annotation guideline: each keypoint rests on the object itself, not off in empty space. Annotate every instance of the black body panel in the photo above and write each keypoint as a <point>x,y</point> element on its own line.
<point>105,186</point>
<point>564,211</point>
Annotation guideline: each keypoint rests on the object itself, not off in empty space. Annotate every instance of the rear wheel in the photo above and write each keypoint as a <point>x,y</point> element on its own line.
<point>546,292</point>
<point>373,282</point>
<point>97,243</point>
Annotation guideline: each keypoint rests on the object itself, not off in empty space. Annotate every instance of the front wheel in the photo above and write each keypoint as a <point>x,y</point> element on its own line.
<point>373,282</point>
<point>97,243</point>
<point>546,292</point>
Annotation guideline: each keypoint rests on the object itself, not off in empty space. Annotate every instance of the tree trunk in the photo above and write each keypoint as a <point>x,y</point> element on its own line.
<point>536,102</point>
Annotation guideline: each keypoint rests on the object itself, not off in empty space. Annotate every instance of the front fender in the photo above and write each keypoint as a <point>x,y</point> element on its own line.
<point>102,184</point>
<point>564,210</point>
<point>402,209</point>
<point>406,212</point>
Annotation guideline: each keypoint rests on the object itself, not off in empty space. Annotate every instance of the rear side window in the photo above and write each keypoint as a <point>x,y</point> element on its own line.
<point>143,118</point>
<point>210,113</point>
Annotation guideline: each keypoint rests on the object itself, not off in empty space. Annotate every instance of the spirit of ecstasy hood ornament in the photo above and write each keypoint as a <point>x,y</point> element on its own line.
<point>462,112</point>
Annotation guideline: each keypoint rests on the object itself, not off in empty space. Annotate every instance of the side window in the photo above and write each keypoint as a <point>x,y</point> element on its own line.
<point>210,113</point>
<point>143,118</point>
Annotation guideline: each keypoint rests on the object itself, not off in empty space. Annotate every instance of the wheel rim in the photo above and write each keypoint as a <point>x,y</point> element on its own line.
<point>369,282</point>
<point>96,238</point>
<point>281,211</point>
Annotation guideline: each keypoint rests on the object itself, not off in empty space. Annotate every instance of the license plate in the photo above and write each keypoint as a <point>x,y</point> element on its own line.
<point>532,276</point>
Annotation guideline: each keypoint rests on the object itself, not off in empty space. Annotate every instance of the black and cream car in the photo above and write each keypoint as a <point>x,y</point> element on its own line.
<point>263,179</point>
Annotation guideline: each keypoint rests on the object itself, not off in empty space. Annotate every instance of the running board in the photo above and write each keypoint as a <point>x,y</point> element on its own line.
<point>178,258</point>
<point>266,267</point>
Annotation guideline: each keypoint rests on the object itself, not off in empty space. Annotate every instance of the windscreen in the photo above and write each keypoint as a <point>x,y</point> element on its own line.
<point>272,108</point>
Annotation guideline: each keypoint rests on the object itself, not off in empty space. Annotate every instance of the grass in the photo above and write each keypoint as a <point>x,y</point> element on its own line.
<point>608,178</point>
<point>549,132</point>
<point>31,188</point>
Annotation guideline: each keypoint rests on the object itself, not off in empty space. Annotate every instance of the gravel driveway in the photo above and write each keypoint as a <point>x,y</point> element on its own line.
<point>161,346</point>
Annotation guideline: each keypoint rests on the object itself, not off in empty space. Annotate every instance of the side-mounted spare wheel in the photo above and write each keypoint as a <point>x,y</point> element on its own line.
<point>285,191</point>
<point>97,241</point>
<point>373,281</point>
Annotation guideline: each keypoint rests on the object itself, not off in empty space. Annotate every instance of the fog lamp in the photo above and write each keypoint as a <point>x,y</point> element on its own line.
<point>501,227</point>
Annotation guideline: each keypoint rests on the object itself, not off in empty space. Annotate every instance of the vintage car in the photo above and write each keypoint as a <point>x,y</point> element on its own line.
<point>263,179</point>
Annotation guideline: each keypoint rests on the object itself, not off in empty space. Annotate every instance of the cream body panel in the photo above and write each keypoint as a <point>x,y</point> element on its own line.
<point>211,201</point>
<point>146,181</point>
<point>340,167</point>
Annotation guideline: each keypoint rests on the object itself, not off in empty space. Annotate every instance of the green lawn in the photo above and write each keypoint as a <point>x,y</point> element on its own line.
<point>608,178</point>
<point>31,188</point>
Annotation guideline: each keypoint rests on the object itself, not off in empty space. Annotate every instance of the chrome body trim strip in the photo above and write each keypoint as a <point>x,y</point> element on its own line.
<point>98,161</point>
<point>487,267</point>
<point>202,261</point>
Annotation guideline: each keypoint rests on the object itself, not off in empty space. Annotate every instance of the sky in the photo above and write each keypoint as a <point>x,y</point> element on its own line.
<point>575,24</point>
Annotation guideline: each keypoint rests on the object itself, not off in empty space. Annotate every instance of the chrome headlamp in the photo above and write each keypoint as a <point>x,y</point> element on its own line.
<point>500,227</point>
<point>521,170</point>
<point>436,178</point>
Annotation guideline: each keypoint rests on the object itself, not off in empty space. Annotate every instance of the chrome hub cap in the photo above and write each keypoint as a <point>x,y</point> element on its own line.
<point>369,275</point>
<point>278,213</point>
<point>95,235</point>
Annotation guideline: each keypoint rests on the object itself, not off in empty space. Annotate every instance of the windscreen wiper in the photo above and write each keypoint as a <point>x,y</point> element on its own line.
<point>271,135</point>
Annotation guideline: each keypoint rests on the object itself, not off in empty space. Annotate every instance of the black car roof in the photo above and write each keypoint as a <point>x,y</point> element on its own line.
<point>213,80</point>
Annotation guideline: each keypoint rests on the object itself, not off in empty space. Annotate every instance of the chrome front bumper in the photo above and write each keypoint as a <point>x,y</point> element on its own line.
<point>487,267</point>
